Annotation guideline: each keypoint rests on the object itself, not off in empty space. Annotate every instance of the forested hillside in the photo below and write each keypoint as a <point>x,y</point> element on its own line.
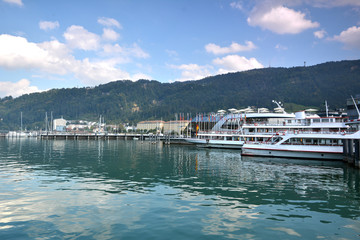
<point>127,101</point>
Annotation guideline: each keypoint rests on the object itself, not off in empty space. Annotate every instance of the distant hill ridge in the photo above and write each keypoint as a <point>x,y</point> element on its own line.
<point>127,101</point>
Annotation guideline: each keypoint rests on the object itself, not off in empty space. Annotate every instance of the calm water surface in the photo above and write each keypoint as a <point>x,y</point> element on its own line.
<point>133,190</point>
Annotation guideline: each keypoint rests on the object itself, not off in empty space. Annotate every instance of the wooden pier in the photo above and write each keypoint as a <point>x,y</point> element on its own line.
<point>167,139</point>
<point>94,136</point>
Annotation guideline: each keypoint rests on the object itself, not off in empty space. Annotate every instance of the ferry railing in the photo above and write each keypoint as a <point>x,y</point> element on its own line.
<point>238,132</point>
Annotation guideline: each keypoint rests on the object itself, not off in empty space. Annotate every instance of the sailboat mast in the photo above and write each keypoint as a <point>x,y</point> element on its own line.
<point>46,122</point>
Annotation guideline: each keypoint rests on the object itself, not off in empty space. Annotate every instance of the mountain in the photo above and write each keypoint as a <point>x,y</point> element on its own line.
<point>127,101</point>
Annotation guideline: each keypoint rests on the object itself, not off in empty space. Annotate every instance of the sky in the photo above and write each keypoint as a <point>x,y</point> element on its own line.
<point>84,43</point>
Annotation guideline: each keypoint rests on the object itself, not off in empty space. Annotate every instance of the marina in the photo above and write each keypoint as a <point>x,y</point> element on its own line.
<point>180,120</point>
<point>251,131</point>
<point>72,189</point>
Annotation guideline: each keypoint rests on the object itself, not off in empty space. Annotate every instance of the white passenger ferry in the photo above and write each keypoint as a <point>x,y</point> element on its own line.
<point>309,145</point>
<point>258,125</point>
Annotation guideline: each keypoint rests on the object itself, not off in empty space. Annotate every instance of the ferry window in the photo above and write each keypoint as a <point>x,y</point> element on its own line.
<point>326,120</point>
<point>316,120</point>
<point>289,121</point>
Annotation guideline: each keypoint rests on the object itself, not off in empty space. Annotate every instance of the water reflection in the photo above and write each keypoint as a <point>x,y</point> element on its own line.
<point>109,189</point>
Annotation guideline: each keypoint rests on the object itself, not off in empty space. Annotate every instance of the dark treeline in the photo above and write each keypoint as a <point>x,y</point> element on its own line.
<point>127,101</point>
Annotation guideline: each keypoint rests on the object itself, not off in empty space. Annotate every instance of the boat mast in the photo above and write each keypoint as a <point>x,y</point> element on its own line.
<point>51,121</point>
<point>20,121</point>
<point>357,109</point>
<point>327,109</point>
<point>46,122</point>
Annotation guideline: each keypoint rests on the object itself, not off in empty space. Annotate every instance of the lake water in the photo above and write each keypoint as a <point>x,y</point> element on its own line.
<point>54,189</point>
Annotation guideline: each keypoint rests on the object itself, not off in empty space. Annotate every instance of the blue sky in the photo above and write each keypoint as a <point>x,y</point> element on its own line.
<point>63,44</point>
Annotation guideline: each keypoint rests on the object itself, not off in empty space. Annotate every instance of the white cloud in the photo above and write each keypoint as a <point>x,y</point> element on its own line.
<point>46,25</point>
<point>236,5</point>
<point>110,35</point>
<point>280,47</point>
<point>109,22</point>
<point>137,52</point>
<point>320,34</point>
<point>117,53</point>
<point>172,53</point>
<point>350,37</point>
<point>138,76</point>
<point>80,38</point>
<point>17,89</point>
<point>100,72</point>
<point>192,71</point>
<point>17,53</point>
<point>95,73</point>
<point>15,2</point>
<point>233,48</point>
<point>125,53</point>
<point>230,63</point>
<point>58,59</point>
<point>332,3</point>
<point>280,20</point>
<point>55,58</point>
<point>235,63</point>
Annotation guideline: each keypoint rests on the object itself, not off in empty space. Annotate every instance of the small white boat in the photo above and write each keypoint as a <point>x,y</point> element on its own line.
<point>14,134</point>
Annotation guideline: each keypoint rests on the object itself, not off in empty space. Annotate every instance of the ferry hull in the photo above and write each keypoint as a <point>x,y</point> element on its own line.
<point>216,143</point>
<point>315,153</point>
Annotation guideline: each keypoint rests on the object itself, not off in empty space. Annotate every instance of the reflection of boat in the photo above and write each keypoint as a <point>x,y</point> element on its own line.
<point>291,161</point>
<point>301,145</point>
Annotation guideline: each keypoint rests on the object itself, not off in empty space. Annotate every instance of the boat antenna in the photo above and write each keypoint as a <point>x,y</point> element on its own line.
<point>357,109</point>
<point>279,104</point>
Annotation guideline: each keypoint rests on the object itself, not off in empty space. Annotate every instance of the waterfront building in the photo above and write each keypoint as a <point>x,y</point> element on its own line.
<point>130,129</point>
<point>59,125</point>
<point>178,127</point>
<point>76,127</point>
<point>150,125</point>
